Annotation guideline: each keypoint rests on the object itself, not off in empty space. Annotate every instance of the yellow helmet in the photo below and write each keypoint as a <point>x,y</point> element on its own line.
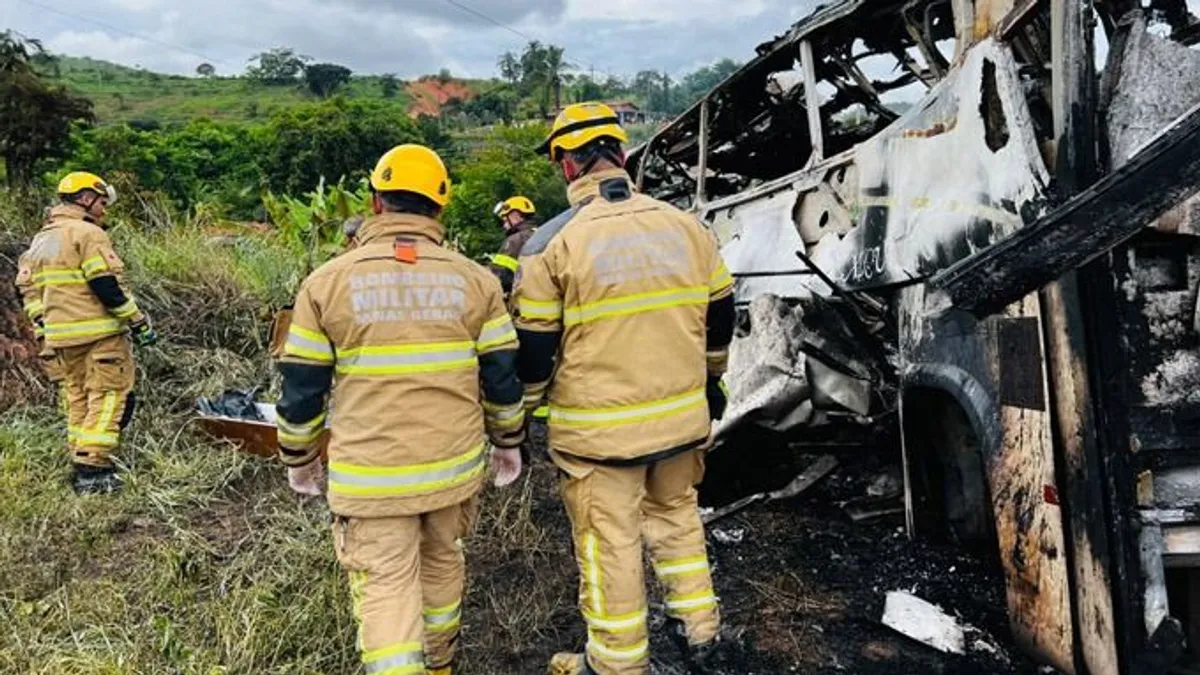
<point>518,204</point>
<point>413,168</point>
<point>579,124</point>
<point>78,181</point>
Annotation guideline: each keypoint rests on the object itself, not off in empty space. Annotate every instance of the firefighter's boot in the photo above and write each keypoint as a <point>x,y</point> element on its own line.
<point>96,480</point>
<point>701,659</point>
<point>565,663</point>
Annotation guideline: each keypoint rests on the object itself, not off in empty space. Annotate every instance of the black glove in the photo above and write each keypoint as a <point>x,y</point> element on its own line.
<point>144,334</point>
<point>714,391</point>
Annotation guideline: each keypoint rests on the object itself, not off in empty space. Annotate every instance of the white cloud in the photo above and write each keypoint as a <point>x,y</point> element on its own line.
<point>681,11</point>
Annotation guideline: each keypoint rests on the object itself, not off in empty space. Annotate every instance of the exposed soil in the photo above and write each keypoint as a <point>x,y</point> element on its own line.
<point>430,94</point>
<point>20,371</point>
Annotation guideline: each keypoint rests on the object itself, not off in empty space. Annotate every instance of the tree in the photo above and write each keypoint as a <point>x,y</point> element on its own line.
<point>510,68</point>
<point>322,79</point>
<point>281,65</point>
<point>35,118</point>
<point>205,70</point>
<point>388,85</point>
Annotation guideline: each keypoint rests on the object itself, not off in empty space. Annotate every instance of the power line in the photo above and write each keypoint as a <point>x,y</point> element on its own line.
<point>122,31</point>
<point>514,31</point>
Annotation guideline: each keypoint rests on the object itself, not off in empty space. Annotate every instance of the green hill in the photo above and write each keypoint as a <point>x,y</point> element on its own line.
<point>124,94</point>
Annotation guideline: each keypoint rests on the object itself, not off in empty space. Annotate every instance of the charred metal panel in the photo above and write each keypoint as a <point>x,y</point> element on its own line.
<point>1116,208</point>
<point>1020,358</point>
<point>946,180</point>
<point>1019,460</point>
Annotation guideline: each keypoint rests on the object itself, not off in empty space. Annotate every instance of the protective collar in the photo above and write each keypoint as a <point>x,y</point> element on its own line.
<point>395,224</point>
<point>589,185</point>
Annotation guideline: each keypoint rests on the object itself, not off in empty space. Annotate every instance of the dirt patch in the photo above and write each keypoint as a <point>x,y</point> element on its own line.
<point>21,376</point>
<point>430,94</point>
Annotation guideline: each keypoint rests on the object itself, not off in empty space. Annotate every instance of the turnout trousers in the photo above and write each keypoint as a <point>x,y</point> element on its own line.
<point>615,511</point>
<point>97,386</point>
<point>406,580</point>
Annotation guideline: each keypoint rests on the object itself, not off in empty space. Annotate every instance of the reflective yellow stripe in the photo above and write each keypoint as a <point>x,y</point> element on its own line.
<point>84,328</point>
<point>443,619</point>
<point>496,332</point>
<point>507,262</point>
<point>635,652</point>
<point>58,277</point>
<point>33,308</point>
<point>376,481</point>
<point>693,602</point>
<point>629,414</point>
<point>617,624</point>
<point>400,658</point>
<point>429,357</point>
<point>542,412</point>
<point>720,280</point>
<point>635,304</point>
<point>538,309</point>
<point>505,417</point>
<point>127,309</point>
<point>682,566</point>
<point>93,266</point>
<point>300,434</point>
<point>308,344</point>
<point>591,554</point>
<point>98,439</point>
<point>38,331</point>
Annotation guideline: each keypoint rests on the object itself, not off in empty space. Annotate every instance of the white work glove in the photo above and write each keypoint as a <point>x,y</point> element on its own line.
<point>507,463</point>
<point>308,479</point>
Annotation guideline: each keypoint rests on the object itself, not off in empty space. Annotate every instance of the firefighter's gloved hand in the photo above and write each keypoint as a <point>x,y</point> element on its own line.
<point>717,395</point>
<point>308,479</point>
<point>507,462</point>
<point>144,334</point>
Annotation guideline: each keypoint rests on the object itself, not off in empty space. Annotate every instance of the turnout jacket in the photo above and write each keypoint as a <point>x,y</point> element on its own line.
<point>505,263</point>
<point>70,281</point>
<point>625,312</point>
<point>423,352</point>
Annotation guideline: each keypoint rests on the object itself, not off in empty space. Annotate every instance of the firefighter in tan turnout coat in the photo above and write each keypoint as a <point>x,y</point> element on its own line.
<point>70,281</point>
<point>423,353</point>
<point>625,315</point>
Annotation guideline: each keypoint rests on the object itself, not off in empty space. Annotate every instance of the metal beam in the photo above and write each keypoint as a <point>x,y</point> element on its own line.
<point>702,153</point>
<point>812,102</point>
<point>1163,173</point>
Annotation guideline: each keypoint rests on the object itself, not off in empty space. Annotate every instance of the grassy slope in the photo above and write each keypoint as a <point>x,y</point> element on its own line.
<point>123,94</point>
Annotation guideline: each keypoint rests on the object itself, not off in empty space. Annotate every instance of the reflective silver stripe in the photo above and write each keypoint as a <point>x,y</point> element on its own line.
<point>308,344</point>
<point>440,619</point>
<point>84,328</point>
<point>625,414</point>
<point>635,652</point>
<point>636,304</point>
<point>382,481</point>
<point>497,332</point>
<point>405,359</point>
<point>126,310</point>
<point>504,413</point>
<point>408,657</point>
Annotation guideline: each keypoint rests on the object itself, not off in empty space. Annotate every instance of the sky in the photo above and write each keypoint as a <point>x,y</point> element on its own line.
<point>406,37</point>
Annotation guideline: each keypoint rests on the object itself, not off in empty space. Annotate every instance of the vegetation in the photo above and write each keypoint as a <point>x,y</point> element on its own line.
<point>35,116</point>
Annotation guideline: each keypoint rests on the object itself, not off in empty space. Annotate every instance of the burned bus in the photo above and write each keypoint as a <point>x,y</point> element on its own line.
<point>971,222</point>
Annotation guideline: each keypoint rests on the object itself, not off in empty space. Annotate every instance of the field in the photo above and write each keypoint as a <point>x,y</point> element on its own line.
<point>122,94</point>
<point>208,564</point>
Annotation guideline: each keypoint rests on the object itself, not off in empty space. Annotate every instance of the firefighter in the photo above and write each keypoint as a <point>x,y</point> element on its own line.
<point>424,354</point>
<point>71,284</point>
<point>516,216</point>
<point>624,302</point>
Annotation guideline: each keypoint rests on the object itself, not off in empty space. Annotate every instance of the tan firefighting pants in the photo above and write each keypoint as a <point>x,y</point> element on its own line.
<point>406,578</point>
<point>614,511</point>
<point>97,384</point>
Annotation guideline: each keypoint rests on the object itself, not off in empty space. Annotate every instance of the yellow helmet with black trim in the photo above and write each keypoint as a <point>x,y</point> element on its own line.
<point>579,124</point>
<point>519,204</point>
<point>78,181</point>
<point>413,168</point>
